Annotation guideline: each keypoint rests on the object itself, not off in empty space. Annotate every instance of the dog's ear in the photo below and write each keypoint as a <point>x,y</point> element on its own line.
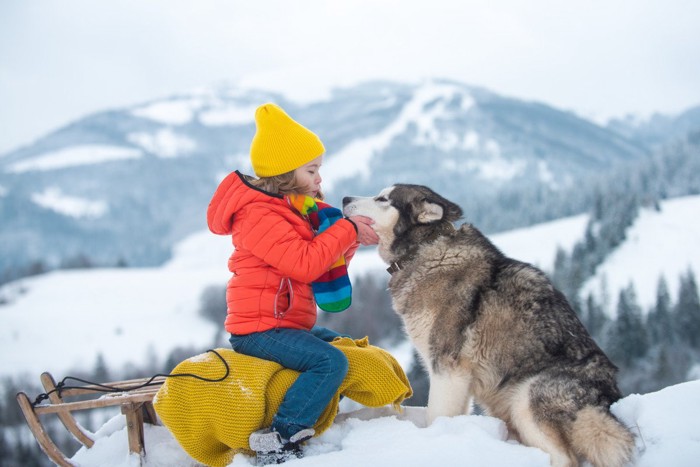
<point>428,212</point>
<point>432,210</point>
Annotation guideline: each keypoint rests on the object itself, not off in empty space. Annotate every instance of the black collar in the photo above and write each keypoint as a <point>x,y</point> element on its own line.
<point>394,267</point>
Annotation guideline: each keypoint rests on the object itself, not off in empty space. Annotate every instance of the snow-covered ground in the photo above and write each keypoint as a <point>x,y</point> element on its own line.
<point>666,425</point>
<point>62,320</point>
<point>538,244</point>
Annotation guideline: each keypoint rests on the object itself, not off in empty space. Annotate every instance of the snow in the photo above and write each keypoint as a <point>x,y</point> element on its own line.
<point>354,159</point>
<point>545,175</point>
<point>659,242</point>
<point>171,112</point>
<point>471,140</point>
<point>208,107</point>
<point>428,132</point>
<point>164,143</point>
<point>492,166</point>
<point>228,115</point>
<point>75,156</point>
<point>54,199</point>
<point>665,424</point>
<point>538,244</point>
<point>485,160</point>
<point>63,320</point>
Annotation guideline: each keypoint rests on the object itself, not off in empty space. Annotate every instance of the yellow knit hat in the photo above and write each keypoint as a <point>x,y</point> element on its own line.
<point>280,144</point>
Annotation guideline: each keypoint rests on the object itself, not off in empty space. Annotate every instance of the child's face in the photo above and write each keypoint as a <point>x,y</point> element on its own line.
<point>309,177</point>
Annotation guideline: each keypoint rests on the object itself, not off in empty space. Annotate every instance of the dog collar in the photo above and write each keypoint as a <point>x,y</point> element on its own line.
<point>394,267</point>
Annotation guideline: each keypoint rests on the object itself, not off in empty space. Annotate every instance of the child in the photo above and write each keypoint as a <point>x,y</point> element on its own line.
<point>278,254</point>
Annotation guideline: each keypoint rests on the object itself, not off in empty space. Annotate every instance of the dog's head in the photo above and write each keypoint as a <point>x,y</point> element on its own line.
<point>399,210</point>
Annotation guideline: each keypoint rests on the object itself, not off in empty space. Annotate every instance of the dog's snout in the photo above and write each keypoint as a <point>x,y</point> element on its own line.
<point>347,200</point>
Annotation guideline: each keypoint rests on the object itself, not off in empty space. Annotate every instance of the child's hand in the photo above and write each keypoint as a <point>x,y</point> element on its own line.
<point>365,233</point>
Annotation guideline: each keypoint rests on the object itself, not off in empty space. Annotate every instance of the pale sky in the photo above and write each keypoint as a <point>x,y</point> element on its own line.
<point>63,59</point>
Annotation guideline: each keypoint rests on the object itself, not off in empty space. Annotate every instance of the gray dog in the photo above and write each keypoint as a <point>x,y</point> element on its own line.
<point>496,330</point>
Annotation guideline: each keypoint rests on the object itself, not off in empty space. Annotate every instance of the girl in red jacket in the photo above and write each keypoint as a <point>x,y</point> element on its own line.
<point>285,242</point>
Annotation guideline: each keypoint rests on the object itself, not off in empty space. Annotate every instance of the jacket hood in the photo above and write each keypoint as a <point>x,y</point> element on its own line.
<point>232,194</point>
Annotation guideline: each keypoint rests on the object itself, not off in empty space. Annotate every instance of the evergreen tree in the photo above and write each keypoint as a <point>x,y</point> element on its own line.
<point>11,413</point>
<point>100,373</point>
<point>663,372</point>
<point>687,312</point>
<point>78,261</point>
<point>628,338</point>
<point>578,270</point>
<point>36,268</point>
<point>5,451</point>
<point>560,272</point>
<point>595,319</point>
<point>28,455</point>
<point>660,320</point>
<point>598,205</point>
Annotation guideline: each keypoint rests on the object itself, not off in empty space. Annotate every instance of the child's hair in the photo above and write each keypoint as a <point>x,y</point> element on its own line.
<point>284,184</point>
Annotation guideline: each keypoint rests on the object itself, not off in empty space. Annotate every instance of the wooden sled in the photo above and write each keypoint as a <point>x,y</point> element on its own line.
<point>136,405</point>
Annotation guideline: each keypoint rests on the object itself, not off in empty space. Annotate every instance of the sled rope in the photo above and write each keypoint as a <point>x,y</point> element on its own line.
<point>60,386</point>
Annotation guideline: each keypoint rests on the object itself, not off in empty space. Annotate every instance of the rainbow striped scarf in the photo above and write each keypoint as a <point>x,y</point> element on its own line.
<point>332,290</point>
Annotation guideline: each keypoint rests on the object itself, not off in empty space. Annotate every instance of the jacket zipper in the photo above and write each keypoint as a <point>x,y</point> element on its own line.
<point>279,316</point>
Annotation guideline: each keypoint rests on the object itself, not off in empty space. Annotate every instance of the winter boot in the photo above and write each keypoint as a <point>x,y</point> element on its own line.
<point>271,448</point>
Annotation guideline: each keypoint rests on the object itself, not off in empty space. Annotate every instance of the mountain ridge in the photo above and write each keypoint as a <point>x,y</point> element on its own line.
<point>146,172</point>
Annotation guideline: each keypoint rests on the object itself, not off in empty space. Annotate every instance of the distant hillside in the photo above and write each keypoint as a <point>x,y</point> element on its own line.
<point>657,130</point>
<point>660,242</point>
<point>121,187</point>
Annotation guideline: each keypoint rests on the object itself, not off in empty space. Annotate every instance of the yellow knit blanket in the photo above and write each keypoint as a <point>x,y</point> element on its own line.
<point>212,421</point>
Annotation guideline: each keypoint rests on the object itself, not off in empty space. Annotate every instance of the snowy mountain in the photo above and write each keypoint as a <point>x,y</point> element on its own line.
<point>128,314</point>
<point>656,130</point>
<point>124,185</point>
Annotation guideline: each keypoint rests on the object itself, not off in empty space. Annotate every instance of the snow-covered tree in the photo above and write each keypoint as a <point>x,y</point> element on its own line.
<point>628,339</point>
<point>660,319</point>
<point>595,318</point>
<point>687,313</point>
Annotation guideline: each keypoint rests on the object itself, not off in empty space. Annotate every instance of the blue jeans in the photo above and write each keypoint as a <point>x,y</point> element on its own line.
<point>322,366</point>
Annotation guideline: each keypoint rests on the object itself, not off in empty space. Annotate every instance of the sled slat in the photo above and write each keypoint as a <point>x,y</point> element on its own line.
<point>95,389</point>
<point>136,406</point>
<point>45,442</point>
<point>66,417</point>
<point>95,403</point>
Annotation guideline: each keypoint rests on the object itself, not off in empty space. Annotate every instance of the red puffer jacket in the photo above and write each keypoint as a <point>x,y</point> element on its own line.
<point>276,256</point>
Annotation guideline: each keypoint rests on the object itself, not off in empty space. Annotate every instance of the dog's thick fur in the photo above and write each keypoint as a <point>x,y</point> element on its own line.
<point>496,330</point>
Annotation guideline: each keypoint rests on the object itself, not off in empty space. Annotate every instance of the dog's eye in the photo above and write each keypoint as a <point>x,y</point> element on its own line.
<point>381,199</point>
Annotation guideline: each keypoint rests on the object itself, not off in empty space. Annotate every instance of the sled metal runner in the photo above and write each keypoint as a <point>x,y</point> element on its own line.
<point>136,405</point>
